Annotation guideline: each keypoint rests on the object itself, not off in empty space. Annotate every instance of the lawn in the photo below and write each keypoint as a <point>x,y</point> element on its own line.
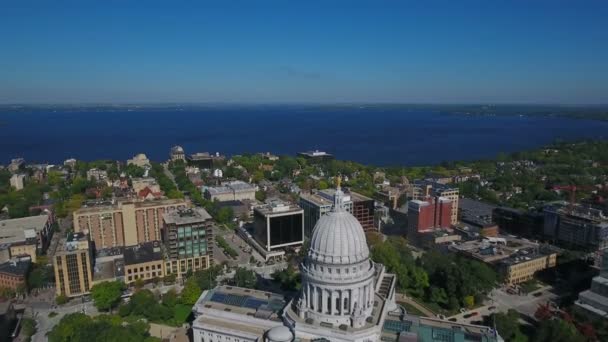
<point>529,286</point>
<point>181,313</point>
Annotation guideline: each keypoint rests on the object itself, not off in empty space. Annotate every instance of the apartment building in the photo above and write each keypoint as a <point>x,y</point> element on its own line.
<point>73,265</point>
<point>125,223</point>
<point>230,191</point>
<point>189,241</point>
<point>422,189</point>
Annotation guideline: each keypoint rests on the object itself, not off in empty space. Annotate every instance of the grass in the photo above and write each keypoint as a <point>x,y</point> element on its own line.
<point>181,312</point>
<point>529,286</point>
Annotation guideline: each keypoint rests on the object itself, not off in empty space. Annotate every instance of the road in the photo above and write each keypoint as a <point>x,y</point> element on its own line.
<point>501,301</point>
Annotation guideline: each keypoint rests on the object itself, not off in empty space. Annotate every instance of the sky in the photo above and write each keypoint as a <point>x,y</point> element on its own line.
<point>490,51</point>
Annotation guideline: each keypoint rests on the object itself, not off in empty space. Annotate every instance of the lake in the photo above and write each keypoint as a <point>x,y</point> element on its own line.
<point>376,135</point>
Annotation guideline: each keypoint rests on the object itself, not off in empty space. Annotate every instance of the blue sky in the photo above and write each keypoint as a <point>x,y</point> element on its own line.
<point>488,51</point>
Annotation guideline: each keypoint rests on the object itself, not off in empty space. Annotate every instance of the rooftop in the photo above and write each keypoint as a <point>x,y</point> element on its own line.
<point>255,303</point>
<point>278,207</point>
<point>230,187</point>
<point>16,267</point>
<point>348,195</point>
<point>500,250</point>
<point>187,216</point>
<point>74,242</point>
<point>109,206</point>
<point>21,229</point>
<point>145,252</point>
<point>475,212</point>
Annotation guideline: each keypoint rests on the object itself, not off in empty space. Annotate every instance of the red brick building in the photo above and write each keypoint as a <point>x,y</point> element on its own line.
<point>433,212</point>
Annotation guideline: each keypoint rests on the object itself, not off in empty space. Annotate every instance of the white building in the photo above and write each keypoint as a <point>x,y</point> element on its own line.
<point>230,191</point>
<point>140,160</point>
<point>177,153</point>
<point>344,297</point>
<point>17,181</point>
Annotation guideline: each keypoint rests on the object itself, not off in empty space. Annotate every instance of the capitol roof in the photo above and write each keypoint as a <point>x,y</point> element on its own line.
<point>338,237</point>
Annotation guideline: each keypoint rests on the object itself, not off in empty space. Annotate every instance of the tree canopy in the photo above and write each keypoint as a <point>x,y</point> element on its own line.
<point>106,295</point>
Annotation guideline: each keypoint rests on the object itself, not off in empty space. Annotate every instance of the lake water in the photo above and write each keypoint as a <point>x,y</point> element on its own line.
<point>379,136</point>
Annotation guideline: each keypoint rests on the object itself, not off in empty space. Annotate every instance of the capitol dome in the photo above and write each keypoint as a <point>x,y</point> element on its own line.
<point>338,238</point>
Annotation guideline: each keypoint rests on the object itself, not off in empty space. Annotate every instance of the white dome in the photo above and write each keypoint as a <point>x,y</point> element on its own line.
<point>279,334</point>
<point>338,238</point>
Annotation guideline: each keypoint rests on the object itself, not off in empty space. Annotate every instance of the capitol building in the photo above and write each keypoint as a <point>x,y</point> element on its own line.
<point>345,297</point>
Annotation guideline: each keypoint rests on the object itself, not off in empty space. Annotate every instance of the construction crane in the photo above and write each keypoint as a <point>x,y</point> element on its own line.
<point>572,190</point>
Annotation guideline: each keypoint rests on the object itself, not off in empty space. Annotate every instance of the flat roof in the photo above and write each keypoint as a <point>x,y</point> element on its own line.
<point>145,252</point>
<point>106,206</point>
<point>15,267</point>
<point>256,303</point>
<point>187,216</point>
<point>278,207</point>
<point>20,229</point>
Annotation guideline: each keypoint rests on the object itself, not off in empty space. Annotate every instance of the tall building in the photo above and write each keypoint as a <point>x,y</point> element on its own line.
<point>73,265</point>
<point>314,206</point>
<point>278,225</point>
<point>189,241</point>
<point>429,214</point>
<point>319,203</point>
<point>595,300</point>
<point>125,223</point>
<point>577,225</point>
<point>422,189</point>
<point>345,297</point>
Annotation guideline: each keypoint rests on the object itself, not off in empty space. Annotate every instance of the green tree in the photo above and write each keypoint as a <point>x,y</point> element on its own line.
<point>507,325</point>
<point>558,330</point>
<point>245,278</point>
<point>61,299</point>
<point>106,295</point>
<point>191,291</point>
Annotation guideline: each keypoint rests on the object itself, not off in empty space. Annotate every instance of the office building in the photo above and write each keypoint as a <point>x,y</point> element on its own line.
<point>140,160</point>
<point>594,301</point>
<point>316,156</point>
<point>517,260</point>
<point>189,241</point>
<point>319,203</point>
<point>230,191</point>
<point>17,181</point>
<point>579,226</point>
<point>278,225</point>
<point>125,223</point>
<point>144,261</point>
<point>73,265</point>
<point>518,222</point>
<point>475,219</point>
<point>314,206</point>
<point>27,235</point>
<point>177,153</point>
<point>422,189</point>
<point>13,273</point>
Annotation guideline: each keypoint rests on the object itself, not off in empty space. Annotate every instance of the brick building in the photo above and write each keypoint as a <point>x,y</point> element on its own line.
<point>125,223</point>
